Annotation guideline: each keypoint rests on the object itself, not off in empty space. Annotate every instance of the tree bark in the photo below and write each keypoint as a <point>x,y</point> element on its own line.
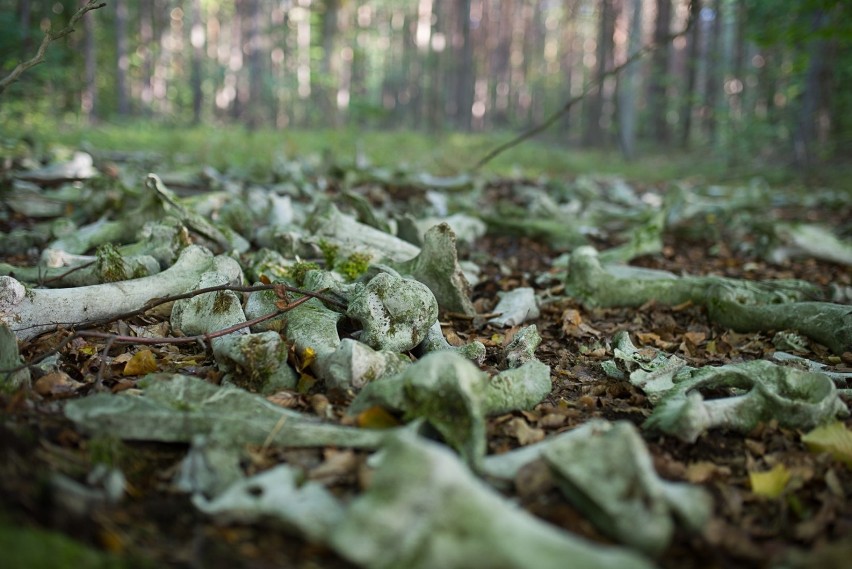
<point>196,38</point>
<point>691,69</point>
<point>464,68</point>
<point>657,83</point>
<point>122,58</point>
<point>805,133</point>
<point>593,133</point>
<point>90,90</point>
<point>628,87</point>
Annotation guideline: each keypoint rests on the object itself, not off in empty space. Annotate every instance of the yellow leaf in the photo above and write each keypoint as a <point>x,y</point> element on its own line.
<point>834,438</point>
<point>376,418</point>
<point>305,383</point>
<point>141,363</point>
<point>306,359</point>
<point>770,484</point>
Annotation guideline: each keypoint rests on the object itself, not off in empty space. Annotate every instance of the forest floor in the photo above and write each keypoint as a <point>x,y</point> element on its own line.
<point>155,526</point>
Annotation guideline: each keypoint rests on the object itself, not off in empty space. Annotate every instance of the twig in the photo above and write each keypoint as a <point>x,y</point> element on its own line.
<point>118,339</point>
<point>591,86</point>
<point>49,37</point>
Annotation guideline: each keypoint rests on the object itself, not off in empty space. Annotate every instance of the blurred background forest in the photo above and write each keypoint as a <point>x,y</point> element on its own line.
<point>750,79</point>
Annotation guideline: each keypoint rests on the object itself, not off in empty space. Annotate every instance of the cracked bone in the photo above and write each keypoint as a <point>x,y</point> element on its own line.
<point>30,312</point>
<point>10,358</point>
<point>518,388</point>
<point>424,505</point>
<point>177,408</point>
<point>445,389</point>
<point>354,364</point>
<point>64,270</point>
<point>435,341</point>
<point>742,305</point>
<point>211,311</point>
<point>257,362</point>
<point>515,307</point>
<point>90,236</point>
<point>454,396</point>
<point>807,240</point>
<point>796,399</point>
<point>437,266</point>
<point>521,349</point>
<point>395,313</point>
<point>827,323</point>
<point>281,494</point>
<point>609,476</point>
<point>327,222</point>
<point>224,237</point>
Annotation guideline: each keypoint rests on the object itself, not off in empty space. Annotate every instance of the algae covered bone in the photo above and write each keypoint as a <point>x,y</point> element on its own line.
<point>394,312</point>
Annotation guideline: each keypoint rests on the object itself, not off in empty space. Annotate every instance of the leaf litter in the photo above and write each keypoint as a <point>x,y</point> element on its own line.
<point>763,496</point>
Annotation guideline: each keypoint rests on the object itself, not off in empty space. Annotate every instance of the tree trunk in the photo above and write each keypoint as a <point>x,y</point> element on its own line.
<point>628,87</point>
<point>254,103</point>
<point>196,38</point>
<point>464,68</point>
<point>123,58</point>
<point>657,83</point>
<point>804,135</point>
<point>691,70</point>
<point>714,65</point>
<point>90,90</point>
<point>593,133</point>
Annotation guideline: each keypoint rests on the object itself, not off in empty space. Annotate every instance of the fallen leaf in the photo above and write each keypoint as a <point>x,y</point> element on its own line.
<point>306,358</point>
<point>704,471</point>
<point>521,430</point>
<point>337,466</point>
<point>57,385</point>
<point>142,362</point>
<point>834,438</point>
<point>771,483</point>
<point>376,417</point>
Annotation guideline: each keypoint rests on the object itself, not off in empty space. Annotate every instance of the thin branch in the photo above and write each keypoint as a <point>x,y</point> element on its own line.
<point>49,37</point>
<point>590,87</point>
<point>118,339</point>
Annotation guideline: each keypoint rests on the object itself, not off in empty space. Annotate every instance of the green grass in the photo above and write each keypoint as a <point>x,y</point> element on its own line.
<point>233,147</point>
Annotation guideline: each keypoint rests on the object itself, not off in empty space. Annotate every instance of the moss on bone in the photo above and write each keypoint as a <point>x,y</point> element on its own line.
<point>110,264</point>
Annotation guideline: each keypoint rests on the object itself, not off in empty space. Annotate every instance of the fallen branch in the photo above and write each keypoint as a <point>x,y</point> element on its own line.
<point>590,87</point>
<point>49,37</point>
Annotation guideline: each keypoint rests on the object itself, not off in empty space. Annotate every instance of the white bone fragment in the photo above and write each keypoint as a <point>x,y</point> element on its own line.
<point>30,312</point>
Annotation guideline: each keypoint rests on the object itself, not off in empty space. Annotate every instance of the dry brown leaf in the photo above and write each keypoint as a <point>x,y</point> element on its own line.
<point>57,385</point>
<point>142,362</point>
<point>376,417</point>
<point>703,471</point>
<point>524,434</point>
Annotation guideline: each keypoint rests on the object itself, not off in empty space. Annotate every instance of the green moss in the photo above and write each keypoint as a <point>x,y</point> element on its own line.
<point>298,271</point>
<point>139,272</point>
<point>222,303</point>
<point>329,252</point>
<point>110,264</point>
<point>106,450</point>
<point>354,266</point>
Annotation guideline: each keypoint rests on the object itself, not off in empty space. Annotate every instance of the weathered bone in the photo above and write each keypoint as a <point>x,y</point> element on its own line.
<point>30,312</point>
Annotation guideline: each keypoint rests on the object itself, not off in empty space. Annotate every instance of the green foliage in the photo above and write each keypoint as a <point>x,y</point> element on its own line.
<point>791,23</point>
